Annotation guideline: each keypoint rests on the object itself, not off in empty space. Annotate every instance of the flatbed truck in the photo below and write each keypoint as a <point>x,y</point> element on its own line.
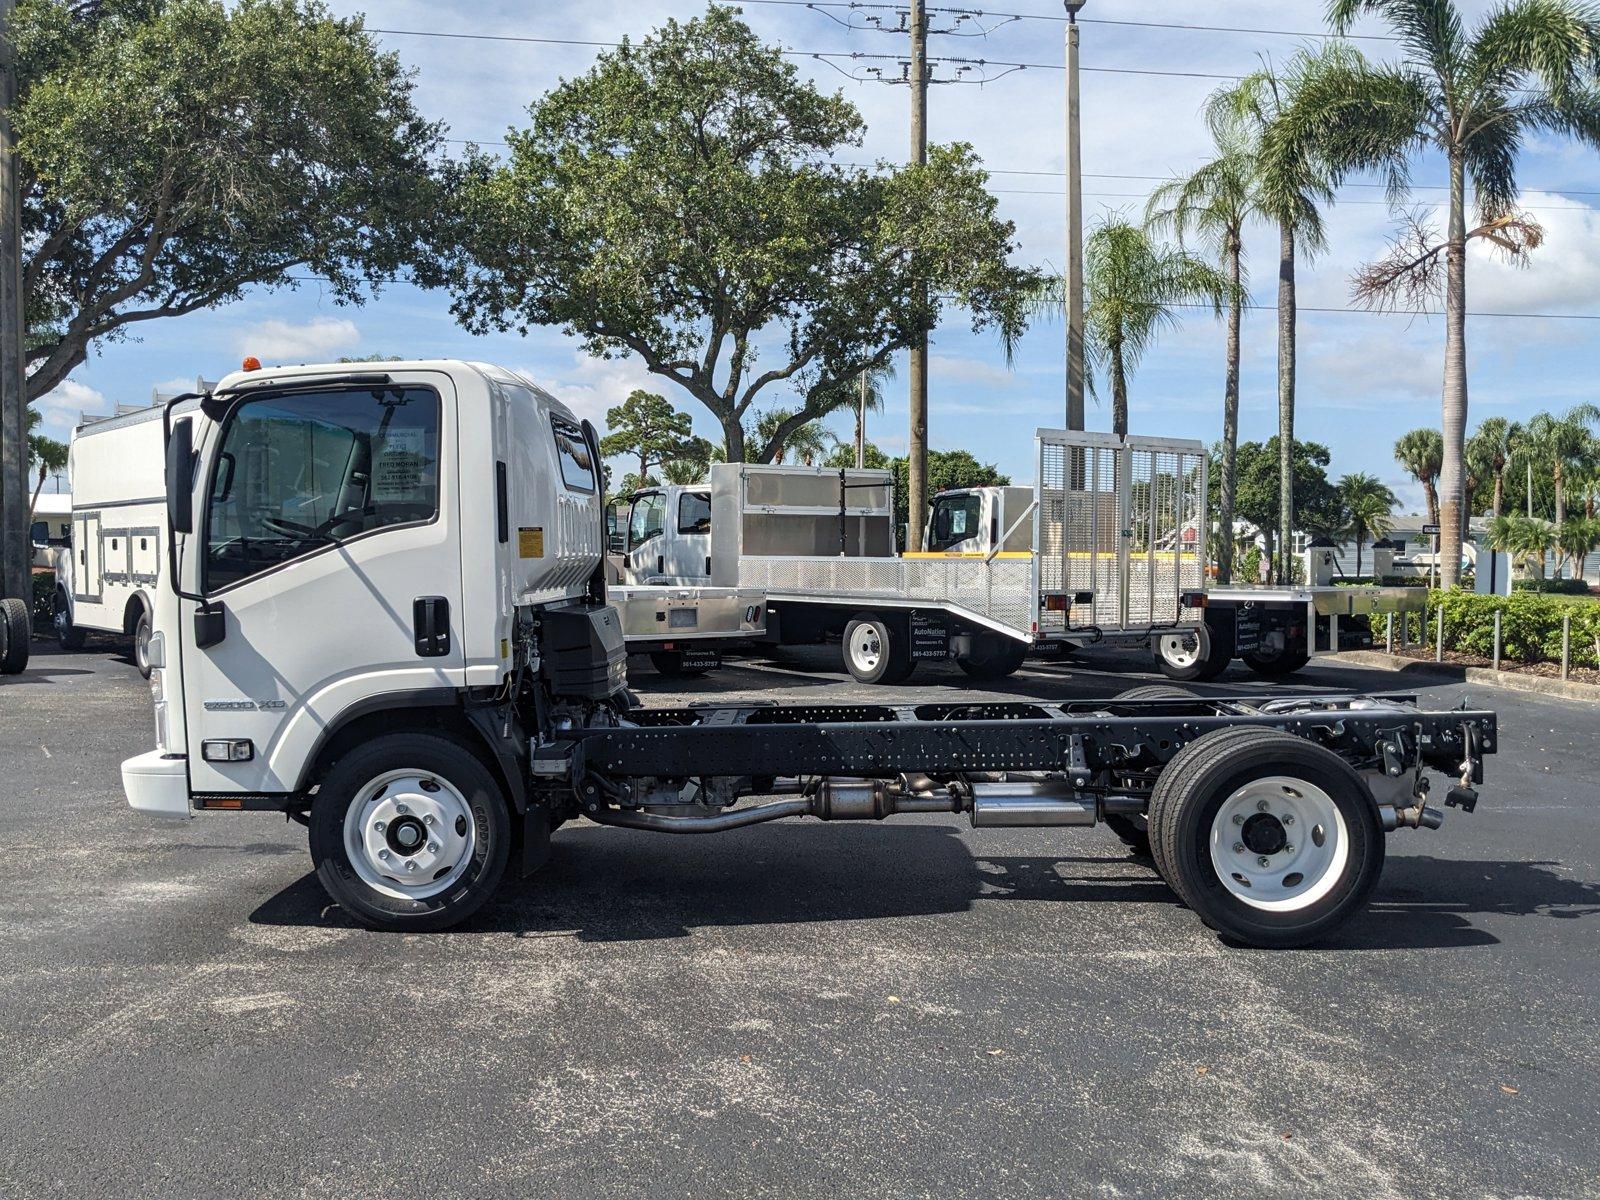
<point>420,665</point>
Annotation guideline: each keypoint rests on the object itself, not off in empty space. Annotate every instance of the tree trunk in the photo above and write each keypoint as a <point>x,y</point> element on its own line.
<point>1286,371</point>
<point>1453,407</point>
<point>33,502</point>
<point>1119,395</point>
<point>1360,540</point>
<point>1230,416</point>
<point>1499,488</point>
<point>1561,497</point>
<point>733,438</point>
<point>1430,493</point>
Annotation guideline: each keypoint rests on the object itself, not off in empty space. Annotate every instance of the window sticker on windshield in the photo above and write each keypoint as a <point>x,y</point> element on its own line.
<point>397,475</point>
<point>958,521</point>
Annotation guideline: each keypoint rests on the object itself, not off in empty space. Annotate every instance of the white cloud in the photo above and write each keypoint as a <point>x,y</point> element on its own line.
<point>61,407</point>
<point>315,340</point>
<point>959,369</point>
<point>592,385</point>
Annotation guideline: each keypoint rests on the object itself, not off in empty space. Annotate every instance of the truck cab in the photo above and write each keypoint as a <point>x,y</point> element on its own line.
<point>661,535</point>
<point>978,520</point>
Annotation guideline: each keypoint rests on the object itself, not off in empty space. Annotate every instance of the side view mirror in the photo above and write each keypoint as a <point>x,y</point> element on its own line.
<point>180,481</point>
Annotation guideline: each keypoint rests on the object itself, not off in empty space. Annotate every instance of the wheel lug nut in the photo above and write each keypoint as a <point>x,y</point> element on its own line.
<point>383,854</point>
<point>430,819</point>
<point>402,809</point>
<point>1261,806</point>
<point>412,865</point>
<point>1288,818</point>
<point>1238,818</point>
<point>433,847</point>
<point>380,826</point>
<point>1289,849</point>
<point>1260,862</point>
<point>1238,847</point>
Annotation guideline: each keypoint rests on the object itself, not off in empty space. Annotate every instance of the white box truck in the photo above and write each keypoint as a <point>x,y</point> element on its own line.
<point>107,575</point>
<point>386,618</point>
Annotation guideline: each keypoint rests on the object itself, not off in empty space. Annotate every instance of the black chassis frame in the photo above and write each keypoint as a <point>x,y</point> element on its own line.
<point>1118,745</point>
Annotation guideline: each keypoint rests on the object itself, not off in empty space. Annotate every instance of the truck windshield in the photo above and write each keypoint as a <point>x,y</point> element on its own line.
<point>649,512</point>
<point>955,519</point>
<point>302,472</point>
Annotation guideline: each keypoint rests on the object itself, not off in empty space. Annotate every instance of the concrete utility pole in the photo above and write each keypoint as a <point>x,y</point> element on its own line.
<point>861,424</point>
<point>1073,279</point>
<point>917,448</point>
<point>15,565</point>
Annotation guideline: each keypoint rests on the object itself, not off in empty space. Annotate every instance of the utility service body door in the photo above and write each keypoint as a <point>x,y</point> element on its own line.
<point>326,530</point>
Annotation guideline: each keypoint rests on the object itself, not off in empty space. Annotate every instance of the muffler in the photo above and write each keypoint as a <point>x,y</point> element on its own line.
<point>1007,804</point>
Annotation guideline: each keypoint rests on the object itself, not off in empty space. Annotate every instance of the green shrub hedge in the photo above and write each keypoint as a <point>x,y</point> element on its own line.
<point>1530,627</point>
<point>44,595</point>
<point>1551,587</point>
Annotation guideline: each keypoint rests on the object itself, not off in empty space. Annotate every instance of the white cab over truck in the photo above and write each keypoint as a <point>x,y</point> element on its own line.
<point>106,577</point>
<point>386,617</point>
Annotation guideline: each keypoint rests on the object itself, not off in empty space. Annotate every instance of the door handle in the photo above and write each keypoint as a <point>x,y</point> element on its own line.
<point>430,624</point>
<point>661,564</point>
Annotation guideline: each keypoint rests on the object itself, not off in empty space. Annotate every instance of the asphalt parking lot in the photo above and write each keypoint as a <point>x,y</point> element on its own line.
<point>906,1009</point>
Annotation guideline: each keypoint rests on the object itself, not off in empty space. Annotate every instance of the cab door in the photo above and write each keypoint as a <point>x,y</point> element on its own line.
<point>647,540</point>
<point>329,561</point>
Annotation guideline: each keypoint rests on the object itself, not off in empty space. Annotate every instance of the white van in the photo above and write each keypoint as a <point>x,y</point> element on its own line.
<point>106,581</point>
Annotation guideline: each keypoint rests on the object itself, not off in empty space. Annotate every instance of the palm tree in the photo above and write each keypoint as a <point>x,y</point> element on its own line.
<point>869,398</point>
<point>1472,98</point>
<point>1490,452</point>
<point>1526,539</point>
<point>808,442</point>
<point>1291,188</point>
<point>1560,443</point>
<point>1421,453</point>
<point>1133,286</point>
<point>50,454</point>
<point>1575,538</point>
<point>1214,204</point>
<point>1368,504</point>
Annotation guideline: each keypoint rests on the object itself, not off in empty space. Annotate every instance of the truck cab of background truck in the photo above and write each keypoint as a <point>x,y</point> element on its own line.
<point>977,520</point>
<point>359,543</point>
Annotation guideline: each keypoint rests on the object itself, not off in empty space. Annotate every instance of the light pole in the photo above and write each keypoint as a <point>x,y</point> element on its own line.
<point>1073,277</point>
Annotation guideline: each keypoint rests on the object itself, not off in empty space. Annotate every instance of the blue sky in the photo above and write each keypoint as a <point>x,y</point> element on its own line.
<point>1364,379</point>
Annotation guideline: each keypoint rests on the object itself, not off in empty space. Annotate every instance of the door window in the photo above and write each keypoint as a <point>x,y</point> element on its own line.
<point>572,448</point>
<point>955,519</point>
<point>297,474</point>
<point>694,513</point>
<point>648,519</point>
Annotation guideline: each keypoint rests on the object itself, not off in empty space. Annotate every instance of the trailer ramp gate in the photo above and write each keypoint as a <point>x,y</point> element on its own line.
<point>1120,531</point>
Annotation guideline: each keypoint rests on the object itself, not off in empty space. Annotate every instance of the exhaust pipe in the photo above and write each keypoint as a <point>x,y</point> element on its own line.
<point>1009,804</point>
<point>832,799</point>
<point>1417,816</point>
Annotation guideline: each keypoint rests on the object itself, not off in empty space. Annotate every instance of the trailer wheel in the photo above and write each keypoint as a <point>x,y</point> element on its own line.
<point>16,634</point>
<point>1273,840</point>
<point>410,832</point>
<point>1182,655</point>
<point>876,652</point>
<point>68,634</point>
<point>994,656</point>
<point>670,664</point>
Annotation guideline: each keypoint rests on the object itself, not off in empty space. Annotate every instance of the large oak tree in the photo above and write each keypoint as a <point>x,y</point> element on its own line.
<point>681,201</point>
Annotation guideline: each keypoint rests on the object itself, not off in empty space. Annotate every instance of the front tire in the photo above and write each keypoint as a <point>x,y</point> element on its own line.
<point>1277,664</point>
<point>410,833</point>
<point>68,634</point>
<point>1272,840</point>
<point>875,651</point>
<point>143,628</point>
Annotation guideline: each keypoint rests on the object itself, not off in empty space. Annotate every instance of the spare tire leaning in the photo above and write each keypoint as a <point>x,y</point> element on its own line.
<point>16,634</point>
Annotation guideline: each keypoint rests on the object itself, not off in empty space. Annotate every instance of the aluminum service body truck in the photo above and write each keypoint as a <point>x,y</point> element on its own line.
<point>386,618</point>
<point>1094,551</point>
<point>106,577</point>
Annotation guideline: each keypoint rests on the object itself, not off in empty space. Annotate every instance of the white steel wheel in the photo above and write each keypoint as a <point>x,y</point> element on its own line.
<point>866,648</point>
<point>1180,650</point>
<point>409,834</point>
<point>1279,844</point>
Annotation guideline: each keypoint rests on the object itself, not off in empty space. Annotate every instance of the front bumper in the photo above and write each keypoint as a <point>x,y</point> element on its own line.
<point>158,784</point>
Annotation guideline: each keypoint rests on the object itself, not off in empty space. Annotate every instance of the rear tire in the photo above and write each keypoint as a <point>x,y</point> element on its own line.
<point>407,798</point>
<point>1277,665</point>
<point>68,634</point>
<point>1157,691</point>
<point>16,634</point>
<point>1178,656</point>
<point>1272,840</point>
<point>993,656</point>
<point>875,652</point>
